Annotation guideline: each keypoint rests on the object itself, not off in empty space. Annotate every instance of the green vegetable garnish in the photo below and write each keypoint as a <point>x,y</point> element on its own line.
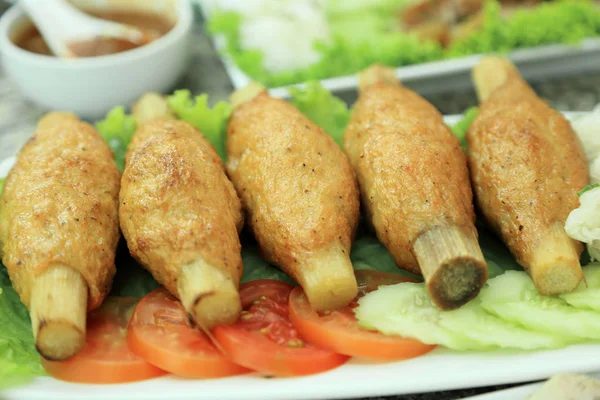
<point>19,361</point>
<point>1,185</point>
<point>587,188</point>
<point>322,108</point>
<point>367,34</point>
<point>117,129</point>
<point>211,122</point>
<point>462,126</point>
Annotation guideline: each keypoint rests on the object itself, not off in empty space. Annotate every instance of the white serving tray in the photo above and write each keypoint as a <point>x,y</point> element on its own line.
<point>454,74</point>
<point>439,370</point>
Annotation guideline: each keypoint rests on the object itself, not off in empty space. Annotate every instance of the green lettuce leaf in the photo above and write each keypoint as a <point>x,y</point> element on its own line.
<point>369,254</point>
<point>212,122</point>
<point>461,127</point>
<point>19,361</point>
<point>131,279</point>
<point>322,108</point>
<point>117,129</point>
<point>255,267</point>
<point>1,185</point>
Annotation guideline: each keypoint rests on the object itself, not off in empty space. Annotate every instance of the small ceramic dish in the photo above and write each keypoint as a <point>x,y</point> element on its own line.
<point>91,86</point>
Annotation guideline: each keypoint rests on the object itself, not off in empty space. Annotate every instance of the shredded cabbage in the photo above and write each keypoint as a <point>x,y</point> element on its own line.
<point>583,223</point>
<point>587,128</point>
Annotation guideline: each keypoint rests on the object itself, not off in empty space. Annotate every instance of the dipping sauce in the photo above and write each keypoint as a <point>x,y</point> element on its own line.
<point>153,25</point>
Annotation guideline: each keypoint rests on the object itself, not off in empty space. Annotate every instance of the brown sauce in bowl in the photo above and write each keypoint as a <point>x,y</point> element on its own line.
<point>153,26</point>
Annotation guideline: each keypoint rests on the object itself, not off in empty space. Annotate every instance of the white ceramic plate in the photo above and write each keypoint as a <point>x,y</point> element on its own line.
<point>516,393</point>
<point>441,369</point>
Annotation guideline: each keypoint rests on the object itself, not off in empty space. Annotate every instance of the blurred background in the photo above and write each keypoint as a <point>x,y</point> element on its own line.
<point>433,43</point>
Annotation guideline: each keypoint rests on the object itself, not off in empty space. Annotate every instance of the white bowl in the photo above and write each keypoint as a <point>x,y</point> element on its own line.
<point>92,86</point>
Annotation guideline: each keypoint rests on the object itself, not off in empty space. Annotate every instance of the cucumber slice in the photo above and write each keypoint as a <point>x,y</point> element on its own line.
<point>513,297</point>
<point>586,297</point>
<point>488,331</point>
<point>405,309</point>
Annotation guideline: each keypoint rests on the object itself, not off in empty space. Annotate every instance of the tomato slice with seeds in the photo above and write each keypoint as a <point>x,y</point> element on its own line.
<point>339,331</point>
<point>264,338</point>
<point>105,358</point>
<point>160,333</point>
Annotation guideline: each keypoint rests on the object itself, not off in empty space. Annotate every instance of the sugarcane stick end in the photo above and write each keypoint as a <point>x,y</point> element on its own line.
<point>59,340</point>
<point>452,265</point>
<point>555,266</point>
<point>491,73</point>
<point>208,294</point>
<point>151,106</point>
<point>246,94</point>
<point>50,119</point>
<point>328,279</point>
<point>58,307</point>
<point>377,74</point>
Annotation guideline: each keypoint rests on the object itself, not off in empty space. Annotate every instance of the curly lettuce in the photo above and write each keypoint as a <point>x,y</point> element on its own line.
<point>117,129</point>
<point>323,108</point>
<point>212,122</point>
<point>367,35</point>
<point>19,361</point>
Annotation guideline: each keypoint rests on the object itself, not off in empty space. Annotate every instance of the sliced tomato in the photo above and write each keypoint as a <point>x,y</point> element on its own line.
<point>105,358</point>
<point>160,333</point>
<point>339,331</point>
<point>264,338</point>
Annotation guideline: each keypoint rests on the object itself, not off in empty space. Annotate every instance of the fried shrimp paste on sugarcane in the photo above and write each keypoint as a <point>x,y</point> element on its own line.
<point>180,217</point>
<point>527,165</point>
<point>59,229</point>
<point>182,128</point>
<point>300,194</point>
<point>415,187</point>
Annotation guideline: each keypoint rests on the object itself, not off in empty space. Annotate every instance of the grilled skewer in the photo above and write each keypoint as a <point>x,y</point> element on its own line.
<point>300,194</point>
<point>59,229</point>
<point>527,165</point>
<point>415,187</point>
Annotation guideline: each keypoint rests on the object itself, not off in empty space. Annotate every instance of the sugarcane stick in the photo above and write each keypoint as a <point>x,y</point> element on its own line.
<point>328,279</point>
<point>246,94</point>
<point>150,107</point>
<point>377,74</point>
<point>491,73</point>
<point>452,265</point>
<point>58,312</point>
<point>209,296</point>
<point>554,266</point>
